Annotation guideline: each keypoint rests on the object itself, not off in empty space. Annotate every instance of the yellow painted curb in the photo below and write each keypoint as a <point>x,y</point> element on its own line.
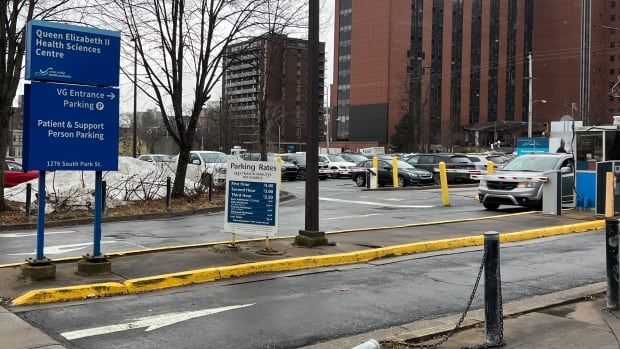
<point>71,293</point>
<point>161,282</point>
<point>185,278</point>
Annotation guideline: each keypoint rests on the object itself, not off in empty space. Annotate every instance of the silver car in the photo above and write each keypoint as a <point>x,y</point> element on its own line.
<point>509,186</point>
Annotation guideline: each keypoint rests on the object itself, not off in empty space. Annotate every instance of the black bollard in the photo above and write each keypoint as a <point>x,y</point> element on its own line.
<point>611,247</point>
<point>28,198</point>
<point>210,186</point>
<point>103,195</point>
<point>168,193</point>
<point>493,325</point>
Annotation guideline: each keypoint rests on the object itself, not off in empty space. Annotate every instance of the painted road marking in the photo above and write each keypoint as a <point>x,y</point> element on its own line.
<point>355,216</point>
<point>372,203</point>
<point>21,235</point>
<point>60,249</point>
<point>150,322</point>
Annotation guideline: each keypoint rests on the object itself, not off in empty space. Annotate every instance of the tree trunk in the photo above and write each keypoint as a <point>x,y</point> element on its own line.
<point>178,188</point>
<point>5,116</point>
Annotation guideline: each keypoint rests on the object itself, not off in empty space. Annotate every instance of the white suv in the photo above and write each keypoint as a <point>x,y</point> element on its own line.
<point>212,162</point>
<point>340,166</point>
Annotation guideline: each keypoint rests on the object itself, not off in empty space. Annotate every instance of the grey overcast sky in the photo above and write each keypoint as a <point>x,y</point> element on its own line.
<point>326,35</point>
<point>144,103</point>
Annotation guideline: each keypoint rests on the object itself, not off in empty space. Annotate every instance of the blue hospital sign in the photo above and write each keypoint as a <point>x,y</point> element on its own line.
<point>72,54</point>
<point>70,127</point>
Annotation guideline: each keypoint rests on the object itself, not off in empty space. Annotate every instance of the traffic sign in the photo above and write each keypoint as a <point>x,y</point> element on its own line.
<point>532,145</point>
<point>70,127</point>
<point>72,54</point>
<point>252,197</point>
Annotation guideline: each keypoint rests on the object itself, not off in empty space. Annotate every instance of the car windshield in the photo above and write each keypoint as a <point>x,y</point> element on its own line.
<point>403,164</point>
<point>357,158</point>
<point>214,157</point>
<point>532,163</point>
<point>301,160</point>
<point>460,160</point>
<point>335,158</point>
<point>162,158</point>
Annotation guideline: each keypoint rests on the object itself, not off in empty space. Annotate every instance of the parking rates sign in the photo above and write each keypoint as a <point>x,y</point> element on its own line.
<point>252,197</point>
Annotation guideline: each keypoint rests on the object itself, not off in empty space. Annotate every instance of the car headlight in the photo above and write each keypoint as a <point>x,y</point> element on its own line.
<point>483,183</point>
<point>413,175</point>
<point>526,185</point>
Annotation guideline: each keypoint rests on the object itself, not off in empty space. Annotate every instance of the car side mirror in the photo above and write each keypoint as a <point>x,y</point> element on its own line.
<point>196,162</point>
<point>566,169</point>
<point>387,168</point>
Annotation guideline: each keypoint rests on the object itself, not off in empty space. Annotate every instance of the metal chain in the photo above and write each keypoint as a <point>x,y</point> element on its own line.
<point>453,331</point>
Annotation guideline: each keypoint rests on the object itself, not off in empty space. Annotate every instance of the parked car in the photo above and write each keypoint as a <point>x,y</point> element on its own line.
<point>340,166</point>
<point>211,162</point>
<point>407,174</point>
<point>300,160</point>
<point>480,160</point>
<point>496,190</point>
<point>289,168</point>
<point>156,158</point>
<point>355,158</point>
<point>431,161</point>
<point>14,174</point>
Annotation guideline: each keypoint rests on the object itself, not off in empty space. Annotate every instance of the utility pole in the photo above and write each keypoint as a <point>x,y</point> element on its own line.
<point>135,97</point>
<point>311,236</point>
<point>530,99</point>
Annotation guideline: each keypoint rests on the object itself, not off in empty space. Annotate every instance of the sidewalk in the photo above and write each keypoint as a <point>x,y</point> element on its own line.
<point>585,324</point>
<point>575,318</point>
<point>16,333</point>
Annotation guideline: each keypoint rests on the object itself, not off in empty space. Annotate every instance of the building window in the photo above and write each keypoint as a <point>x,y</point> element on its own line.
<point>511,69</point>
<point>612,4</point>
<point>612,58</point>
<point>612,17</point>
<point>612,71</point>
<point>476,41</point>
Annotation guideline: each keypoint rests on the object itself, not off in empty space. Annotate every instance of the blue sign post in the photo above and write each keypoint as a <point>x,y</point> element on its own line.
<point>71,112</point>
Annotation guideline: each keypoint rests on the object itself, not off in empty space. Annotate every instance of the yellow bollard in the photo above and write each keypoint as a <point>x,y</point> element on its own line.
<point>395,171</point>
<point>279,161</point>
<point>610,188</point>
<point>490,167</point>
<point>443,179</point>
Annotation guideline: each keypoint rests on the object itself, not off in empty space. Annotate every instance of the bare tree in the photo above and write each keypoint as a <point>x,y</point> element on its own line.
<point>151,130</point>
<point>180,45</point>
<point>13,18</point>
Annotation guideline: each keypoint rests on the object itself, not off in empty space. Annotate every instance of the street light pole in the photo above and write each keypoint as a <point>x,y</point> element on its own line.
<point>135,94</point>
<point>529,109</point>
<point>311,236</point>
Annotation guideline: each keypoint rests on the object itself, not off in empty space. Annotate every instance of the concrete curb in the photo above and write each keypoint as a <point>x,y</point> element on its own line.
<point>426,329</point>
<point>185,278</point>
<point>214,243</point>
<point>157,215</point>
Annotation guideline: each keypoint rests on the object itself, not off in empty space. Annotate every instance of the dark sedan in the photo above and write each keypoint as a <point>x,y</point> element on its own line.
<point>407,174</point>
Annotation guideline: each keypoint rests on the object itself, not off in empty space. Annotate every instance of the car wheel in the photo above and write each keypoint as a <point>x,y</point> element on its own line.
<point>401,182</point>
<point>335,174</point>
<point>301,175</point>
<point>491,206</point>
<point>360,181</point>
<point>436,178</point>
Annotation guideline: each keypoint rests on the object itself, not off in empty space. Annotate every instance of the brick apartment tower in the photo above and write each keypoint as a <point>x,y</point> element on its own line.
<point>463,65</point>
<point>277,64</point>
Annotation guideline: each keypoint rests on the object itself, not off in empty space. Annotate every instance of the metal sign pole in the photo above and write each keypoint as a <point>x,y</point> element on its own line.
<point>41,218</point>
<point>98,202</point>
